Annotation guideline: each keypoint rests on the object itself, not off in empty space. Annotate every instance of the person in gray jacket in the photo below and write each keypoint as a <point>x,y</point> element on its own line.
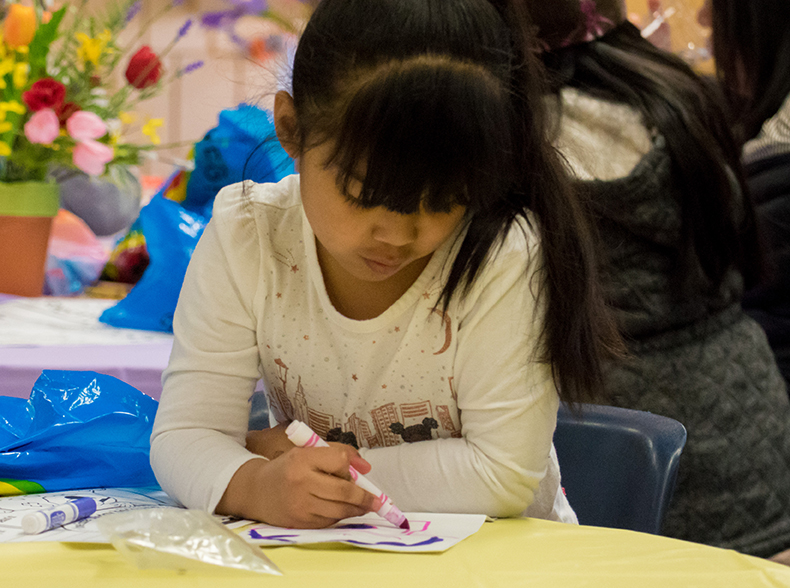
<point>651,148</point>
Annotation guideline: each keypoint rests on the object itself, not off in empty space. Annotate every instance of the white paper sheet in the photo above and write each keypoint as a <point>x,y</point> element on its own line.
<point>64,321</point>
<point>429,532</point>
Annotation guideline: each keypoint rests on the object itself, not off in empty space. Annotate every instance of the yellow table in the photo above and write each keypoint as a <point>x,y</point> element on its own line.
<point>503,554</point>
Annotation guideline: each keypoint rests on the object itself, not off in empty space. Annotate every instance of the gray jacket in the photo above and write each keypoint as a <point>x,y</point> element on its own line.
<point>695,357</point>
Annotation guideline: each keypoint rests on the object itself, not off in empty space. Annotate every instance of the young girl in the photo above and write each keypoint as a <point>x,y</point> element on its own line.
<point>423,290</point>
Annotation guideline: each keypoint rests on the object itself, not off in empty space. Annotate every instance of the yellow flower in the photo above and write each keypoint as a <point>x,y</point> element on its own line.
<point>6,66</point>
<point>19,26</point>
<point>5,150</point>
<point>149,130</point>
<point>12,106</point>
<point>127,118</point>
<point>20,74</point>
<point>5,127</point>
<point>90,50</point>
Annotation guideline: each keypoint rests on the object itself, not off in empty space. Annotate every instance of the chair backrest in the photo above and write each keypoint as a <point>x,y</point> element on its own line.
<point>618,465</point>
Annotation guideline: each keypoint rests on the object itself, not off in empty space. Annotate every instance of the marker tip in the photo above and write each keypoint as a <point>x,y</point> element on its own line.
<point>405,525</point>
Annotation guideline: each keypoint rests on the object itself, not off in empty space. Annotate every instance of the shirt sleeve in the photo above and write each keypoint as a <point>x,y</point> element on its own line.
<point>507,400</point>
<point>198,436</point>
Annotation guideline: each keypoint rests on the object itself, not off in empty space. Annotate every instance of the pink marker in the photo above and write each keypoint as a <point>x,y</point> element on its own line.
<point>303,436</point>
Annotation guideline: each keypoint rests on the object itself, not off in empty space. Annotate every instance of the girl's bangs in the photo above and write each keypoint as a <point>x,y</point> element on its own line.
<point>425,135</point>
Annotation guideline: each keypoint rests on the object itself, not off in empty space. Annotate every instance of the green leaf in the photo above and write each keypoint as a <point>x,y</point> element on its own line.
<point>39,46</point>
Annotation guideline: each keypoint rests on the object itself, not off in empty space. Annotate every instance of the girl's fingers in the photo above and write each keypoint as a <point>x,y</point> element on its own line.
<point>330,479</point>
<point>332,489</point>
<point>331,512</point>
<point>360,464</point>
<point>355,459</point>
<point>334,460</point>
<point>315,512</point>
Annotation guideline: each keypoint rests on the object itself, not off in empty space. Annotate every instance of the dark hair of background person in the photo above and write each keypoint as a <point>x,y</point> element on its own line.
<point>718,226</point>
<point>751,47</point>
<point>437,103</point>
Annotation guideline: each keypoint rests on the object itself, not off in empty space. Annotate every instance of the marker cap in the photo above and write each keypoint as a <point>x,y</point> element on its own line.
<point>35,522</point>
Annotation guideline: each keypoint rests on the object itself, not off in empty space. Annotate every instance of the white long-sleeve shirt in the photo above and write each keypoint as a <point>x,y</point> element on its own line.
<point>253,305</point>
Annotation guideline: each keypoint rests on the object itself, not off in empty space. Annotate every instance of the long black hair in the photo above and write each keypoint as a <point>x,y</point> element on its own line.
<point>751,46</point>
<point>718,225</point>
<point>441,105</point>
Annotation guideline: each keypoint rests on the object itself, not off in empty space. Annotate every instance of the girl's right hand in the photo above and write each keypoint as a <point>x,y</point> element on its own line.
<point>302,488</point>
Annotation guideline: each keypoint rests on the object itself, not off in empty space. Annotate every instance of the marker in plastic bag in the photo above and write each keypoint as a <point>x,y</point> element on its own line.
<point>44,520</point>
<point>303,436</point>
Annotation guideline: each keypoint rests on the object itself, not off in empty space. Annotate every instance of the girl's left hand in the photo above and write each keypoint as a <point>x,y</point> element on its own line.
<point>269,443</point>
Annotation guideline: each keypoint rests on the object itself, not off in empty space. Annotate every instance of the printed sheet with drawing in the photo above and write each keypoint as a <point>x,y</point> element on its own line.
<point>430,532</point>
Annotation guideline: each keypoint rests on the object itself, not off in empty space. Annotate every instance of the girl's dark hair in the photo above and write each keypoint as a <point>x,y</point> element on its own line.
<point>718,225</point>
<point>751,45</point>
<point>439,103</point>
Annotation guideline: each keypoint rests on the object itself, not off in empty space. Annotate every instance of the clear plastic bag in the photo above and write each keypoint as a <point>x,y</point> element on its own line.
<point>181,539</point>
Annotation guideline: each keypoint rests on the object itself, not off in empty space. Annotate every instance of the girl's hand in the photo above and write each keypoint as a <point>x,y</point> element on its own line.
<point>302,488</point>
<point>273,442</point>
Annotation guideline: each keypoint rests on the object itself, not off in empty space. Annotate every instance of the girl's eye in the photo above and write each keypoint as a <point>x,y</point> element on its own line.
<point>353,200</point>
<point>350,190</point>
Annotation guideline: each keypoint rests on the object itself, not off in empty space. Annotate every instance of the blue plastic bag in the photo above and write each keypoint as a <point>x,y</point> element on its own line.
<point>77,430</point>
<point>243,146</point>
<point>171,235</point>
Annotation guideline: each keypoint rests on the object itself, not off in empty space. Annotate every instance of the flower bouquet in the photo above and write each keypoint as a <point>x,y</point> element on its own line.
<point>68,91</point>
<point>62,103</point>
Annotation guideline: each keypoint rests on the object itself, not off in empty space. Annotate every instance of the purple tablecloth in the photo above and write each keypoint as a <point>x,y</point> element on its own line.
<point>138,365</point>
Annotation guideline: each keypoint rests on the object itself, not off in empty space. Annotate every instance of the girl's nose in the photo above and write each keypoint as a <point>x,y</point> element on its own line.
<point>395,229</point>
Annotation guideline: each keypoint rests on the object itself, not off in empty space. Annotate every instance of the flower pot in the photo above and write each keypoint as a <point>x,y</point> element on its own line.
<point>26,213</point>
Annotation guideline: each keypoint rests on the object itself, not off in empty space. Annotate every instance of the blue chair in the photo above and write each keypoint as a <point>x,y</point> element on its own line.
<point>618,465</point>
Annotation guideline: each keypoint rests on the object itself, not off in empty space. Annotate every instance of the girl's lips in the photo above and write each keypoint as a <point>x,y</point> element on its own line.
<point>384,267</point>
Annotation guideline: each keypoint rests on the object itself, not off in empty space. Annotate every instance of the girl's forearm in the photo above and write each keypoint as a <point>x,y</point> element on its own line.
<point>450,475</point>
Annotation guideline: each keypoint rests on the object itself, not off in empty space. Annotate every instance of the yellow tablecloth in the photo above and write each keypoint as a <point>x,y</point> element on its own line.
<point>503,554</point>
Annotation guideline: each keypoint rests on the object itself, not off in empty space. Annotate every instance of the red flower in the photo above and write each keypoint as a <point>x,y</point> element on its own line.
<point>45,93</point>
<point>144,68</point>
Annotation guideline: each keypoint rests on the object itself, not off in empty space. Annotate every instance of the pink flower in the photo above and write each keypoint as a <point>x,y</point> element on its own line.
<point>90,156</point>
<point>43,127</point>
<point>84,125</point>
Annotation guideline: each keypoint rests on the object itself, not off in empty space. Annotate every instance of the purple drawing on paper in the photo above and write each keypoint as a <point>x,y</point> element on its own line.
<point>284,538</point>
<point>430,541</point>
<point>355,526</point>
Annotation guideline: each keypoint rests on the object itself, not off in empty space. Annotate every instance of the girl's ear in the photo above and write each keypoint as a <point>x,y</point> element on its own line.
<point>285,123</point>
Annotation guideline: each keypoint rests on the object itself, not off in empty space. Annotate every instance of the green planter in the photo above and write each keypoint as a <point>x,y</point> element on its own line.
<point>30,199</point>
